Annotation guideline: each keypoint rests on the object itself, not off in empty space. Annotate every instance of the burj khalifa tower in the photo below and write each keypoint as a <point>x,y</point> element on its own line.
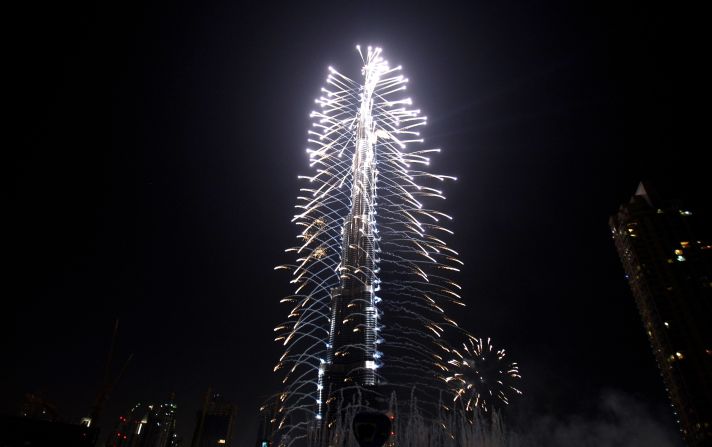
<point>353,334</point>
<point>372,264</point>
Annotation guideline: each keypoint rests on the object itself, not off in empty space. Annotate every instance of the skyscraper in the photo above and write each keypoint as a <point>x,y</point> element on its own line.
<point>666,252</point>
<point>214,422</point>
<point>352,336</point>
<point>371,274</point>
<point>146,426</point>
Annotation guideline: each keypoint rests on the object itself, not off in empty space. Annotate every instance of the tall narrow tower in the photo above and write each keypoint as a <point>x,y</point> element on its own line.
<point>372,265</point>
<point>351,360</point>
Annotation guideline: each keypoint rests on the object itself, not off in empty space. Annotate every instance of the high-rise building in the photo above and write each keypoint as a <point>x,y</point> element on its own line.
<point>666,251</point>
<point>214,422</point>
<point>351,354</point>
<point>372,268</point>
<point>146,426</point>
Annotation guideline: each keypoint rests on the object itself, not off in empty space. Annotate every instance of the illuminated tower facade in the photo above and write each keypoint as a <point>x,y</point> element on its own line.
<point>666,252</point>
<point>352,328</point>
<point>146,426</point>
<point>351,354</point>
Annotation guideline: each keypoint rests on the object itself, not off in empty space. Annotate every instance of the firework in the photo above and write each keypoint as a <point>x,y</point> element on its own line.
<point>482,377</point>
<point>372,265</point>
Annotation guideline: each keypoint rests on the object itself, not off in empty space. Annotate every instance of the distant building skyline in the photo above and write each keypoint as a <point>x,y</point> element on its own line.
<point>146,425</point>
<point>666,252</point>
<point>39,423</point>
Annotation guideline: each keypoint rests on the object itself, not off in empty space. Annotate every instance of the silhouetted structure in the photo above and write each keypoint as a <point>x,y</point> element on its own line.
<point>40,424</point>
<point>108,383</point>
<point>666,252</point>
<point>18,431</point>
<point>215,422</point>
<point>146,426</point>
<point>268,421</point>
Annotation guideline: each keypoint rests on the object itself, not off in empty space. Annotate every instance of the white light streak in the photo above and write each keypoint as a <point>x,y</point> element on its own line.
<point>365,144</point>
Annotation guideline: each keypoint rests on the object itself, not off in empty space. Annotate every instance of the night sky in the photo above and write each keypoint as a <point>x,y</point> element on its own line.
<point>155,150</point>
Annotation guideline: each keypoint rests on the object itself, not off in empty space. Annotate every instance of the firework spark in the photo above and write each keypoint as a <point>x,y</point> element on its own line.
<point>481,377</point>
<point>369,240</point>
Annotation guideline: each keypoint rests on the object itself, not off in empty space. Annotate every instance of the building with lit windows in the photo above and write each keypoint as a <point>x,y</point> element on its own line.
<point>146,426</point>
<point>666,251</point>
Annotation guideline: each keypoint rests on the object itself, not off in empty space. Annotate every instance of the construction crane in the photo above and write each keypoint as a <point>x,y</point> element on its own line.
<point>109,382</point>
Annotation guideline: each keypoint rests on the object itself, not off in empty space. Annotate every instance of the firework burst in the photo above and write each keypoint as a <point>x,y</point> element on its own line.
<point>482,377</point>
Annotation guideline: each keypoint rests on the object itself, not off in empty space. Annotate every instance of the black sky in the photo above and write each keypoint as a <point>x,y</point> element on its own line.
<point>155,149</point>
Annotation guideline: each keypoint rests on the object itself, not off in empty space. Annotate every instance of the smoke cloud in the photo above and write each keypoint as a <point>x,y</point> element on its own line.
<point>620,421</point>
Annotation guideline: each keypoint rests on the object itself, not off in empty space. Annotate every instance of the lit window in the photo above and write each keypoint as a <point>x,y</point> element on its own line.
<point>680,258</point>
<point>684,244</point>
<point>370,364</point>
<point>685,213</point>
<point>221,441</point>
<point>666,324</point>
<point>679,355</point>
<point>678,252</point>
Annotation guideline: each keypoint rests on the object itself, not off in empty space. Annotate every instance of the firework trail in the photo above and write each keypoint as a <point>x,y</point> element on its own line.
<point>481,377</point>
<point>372,266</point>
